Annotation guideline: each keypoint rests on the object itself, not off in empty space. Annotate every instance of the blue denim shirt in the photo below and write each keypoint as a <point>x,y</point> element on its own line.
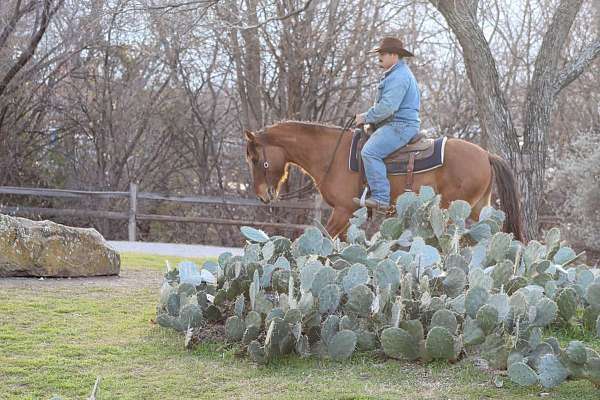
<point>397,95</point>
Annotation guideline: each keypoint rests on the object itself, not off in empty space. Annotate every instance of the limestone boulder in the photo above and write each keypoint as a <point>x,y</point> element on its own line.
<point>48,249</point>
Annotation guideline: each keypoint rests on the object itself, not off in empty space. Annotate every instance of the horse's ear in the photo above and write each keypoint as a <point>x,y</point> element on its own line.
<point>251,144</point>
<point>250,136</point>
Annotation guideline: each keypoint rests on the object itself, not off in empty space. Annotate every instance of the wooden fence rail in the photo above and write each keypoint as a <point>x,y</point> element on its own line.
<point>134,196</point>
<point>132,215</point>
<point>210,200</point>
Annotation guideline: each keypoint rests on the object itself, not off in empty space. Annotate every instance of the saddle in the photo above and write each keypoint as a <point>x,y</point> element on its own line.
<point>419,155</point>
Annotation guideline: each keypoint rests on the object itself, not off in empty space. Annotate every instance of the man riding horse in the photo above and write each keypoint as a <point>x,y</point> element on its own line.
<point>454,168</point>
<point>395,115</point>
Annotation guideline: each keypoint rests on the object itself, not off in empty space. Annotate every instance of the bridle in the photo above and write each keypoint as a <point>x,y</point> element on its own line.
<point>308,187</point>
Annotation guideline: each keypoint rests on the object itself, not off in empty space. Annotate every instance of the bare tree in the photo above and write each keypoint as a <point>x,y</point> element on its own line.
<point>23,98</point>
<point>527,150</point>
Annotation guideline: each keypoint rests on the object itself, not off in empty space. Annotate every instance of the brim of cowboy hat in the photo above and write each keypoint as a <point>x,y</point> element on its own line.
<point>402,52</point>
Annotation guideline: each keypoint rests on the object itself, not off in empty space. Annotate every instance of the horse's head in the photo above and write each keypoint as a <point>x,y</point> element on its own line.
<point>267,165</point>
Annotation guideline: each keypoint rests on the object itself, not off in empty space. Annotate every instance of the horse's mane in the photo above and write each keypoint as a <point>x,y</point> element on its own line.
<point>312,127</point>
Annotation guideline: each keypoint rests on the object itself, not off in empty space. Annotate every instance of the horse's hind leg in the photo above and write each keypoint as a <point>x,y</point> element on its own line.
<point>483,201</point>
<point>338,221</point>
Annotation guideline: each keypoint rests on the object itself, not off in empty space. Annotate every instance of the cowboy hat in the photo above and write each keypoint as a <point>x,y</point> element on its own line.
<point>391,45</point>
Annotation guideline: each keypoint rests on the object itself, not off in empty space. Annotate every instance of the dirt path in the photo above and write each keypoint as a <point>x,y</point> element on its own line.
<point>130,278</point>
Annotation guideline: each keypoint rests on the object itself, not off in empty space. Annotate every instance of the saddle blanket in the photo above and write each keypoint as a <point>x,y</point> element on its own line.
<point>436,159</point>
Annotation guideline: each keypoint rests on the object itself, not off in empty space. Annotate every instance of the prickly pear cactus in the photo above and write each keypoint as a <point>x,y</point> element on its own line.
<point>440,344</point>
<point>329,298</point>
<point>445,319</point>
<point>342,345</point>
<point>398,343</point>
<point>551,371</point>
<point>330,328</point>
<point>487,317</point>
<point>191,315</point>
<point>429,282</point>
<point>522,374</point>
<point>360,300</point>
<point>567,304</point>
<point>234,328</point>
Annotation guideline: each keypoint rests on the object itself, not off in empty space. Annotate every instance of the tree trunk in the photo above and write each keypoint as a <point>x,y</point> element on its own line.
<point>247,64</point>
<point>252,67</point>
<point>494,117</point>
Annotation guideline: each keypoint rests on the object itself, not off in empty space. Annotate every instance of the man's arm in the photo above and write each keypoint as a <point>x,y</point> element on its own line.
<point>393,93</point>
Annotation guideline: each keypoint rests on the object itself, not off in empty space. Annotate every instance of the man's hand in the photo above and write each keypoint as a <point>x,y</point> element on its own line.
<point>359,119</point>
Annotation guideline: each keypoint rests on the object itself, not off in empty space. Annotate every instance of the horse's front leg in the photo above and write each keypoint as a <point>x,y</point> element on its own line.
<point>338,221</point>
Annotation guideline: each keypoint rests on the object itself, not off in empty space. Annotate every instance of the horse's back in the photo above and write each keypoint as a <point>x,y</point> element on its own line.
<point>466,174</point>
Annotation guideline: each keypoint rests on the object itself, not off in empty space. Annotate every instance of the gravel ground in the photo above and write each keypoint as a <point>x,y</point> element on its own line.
<point>172,249</point>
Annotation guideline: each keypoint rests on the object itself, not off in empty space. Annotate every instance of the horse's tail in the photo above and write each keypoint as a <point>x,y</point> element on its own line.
<point>508,193</point>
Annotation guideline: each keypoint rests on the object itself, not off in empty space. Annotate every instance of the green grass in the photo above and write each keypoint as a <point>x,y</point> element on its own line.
<point>58,339</point>
<point>140,260</point>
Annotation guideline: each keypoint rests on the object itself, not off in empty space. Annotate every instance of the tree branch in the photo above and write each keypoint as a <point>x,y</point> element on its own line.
<point>170,6</point>
<point>541,92</point>
<point>278,18</point>
<point>571,71</point>
<point>27,54</point>
<point>12,23</point>
<point>546,62</point>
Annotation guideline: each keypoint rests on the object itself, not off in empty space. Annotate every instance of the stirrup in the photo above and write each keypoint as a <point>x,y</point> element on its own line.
<point>363,197</point>
<point>372,204</point>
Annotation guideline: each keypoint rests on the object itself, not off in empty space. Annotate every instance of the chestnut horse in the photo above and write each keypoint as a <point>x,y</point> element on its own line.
<point>468,172</point>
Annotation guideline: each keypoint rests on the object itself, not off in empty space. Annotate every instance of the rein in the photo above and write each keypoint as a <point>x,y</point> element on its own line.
<point>308,187</point>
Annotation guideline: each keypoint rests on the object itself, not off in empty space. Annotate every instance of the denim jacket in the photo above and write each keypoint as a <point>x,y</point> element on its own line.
<point>398,97</point>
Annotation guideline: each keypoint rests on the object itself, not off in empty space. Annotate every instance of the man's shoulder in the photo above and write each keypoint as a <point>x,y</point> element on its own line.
<point>404,72</point>
<point>400,72</point>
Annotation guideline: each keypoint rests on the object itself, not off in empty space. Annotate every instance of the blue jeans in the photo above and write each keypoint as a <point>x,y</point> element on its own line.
<point>382,143</point>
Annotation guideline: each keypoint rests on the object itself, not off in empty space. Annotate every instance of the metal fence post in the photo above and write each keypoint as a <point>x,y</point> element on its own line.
<point>132,210</point>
